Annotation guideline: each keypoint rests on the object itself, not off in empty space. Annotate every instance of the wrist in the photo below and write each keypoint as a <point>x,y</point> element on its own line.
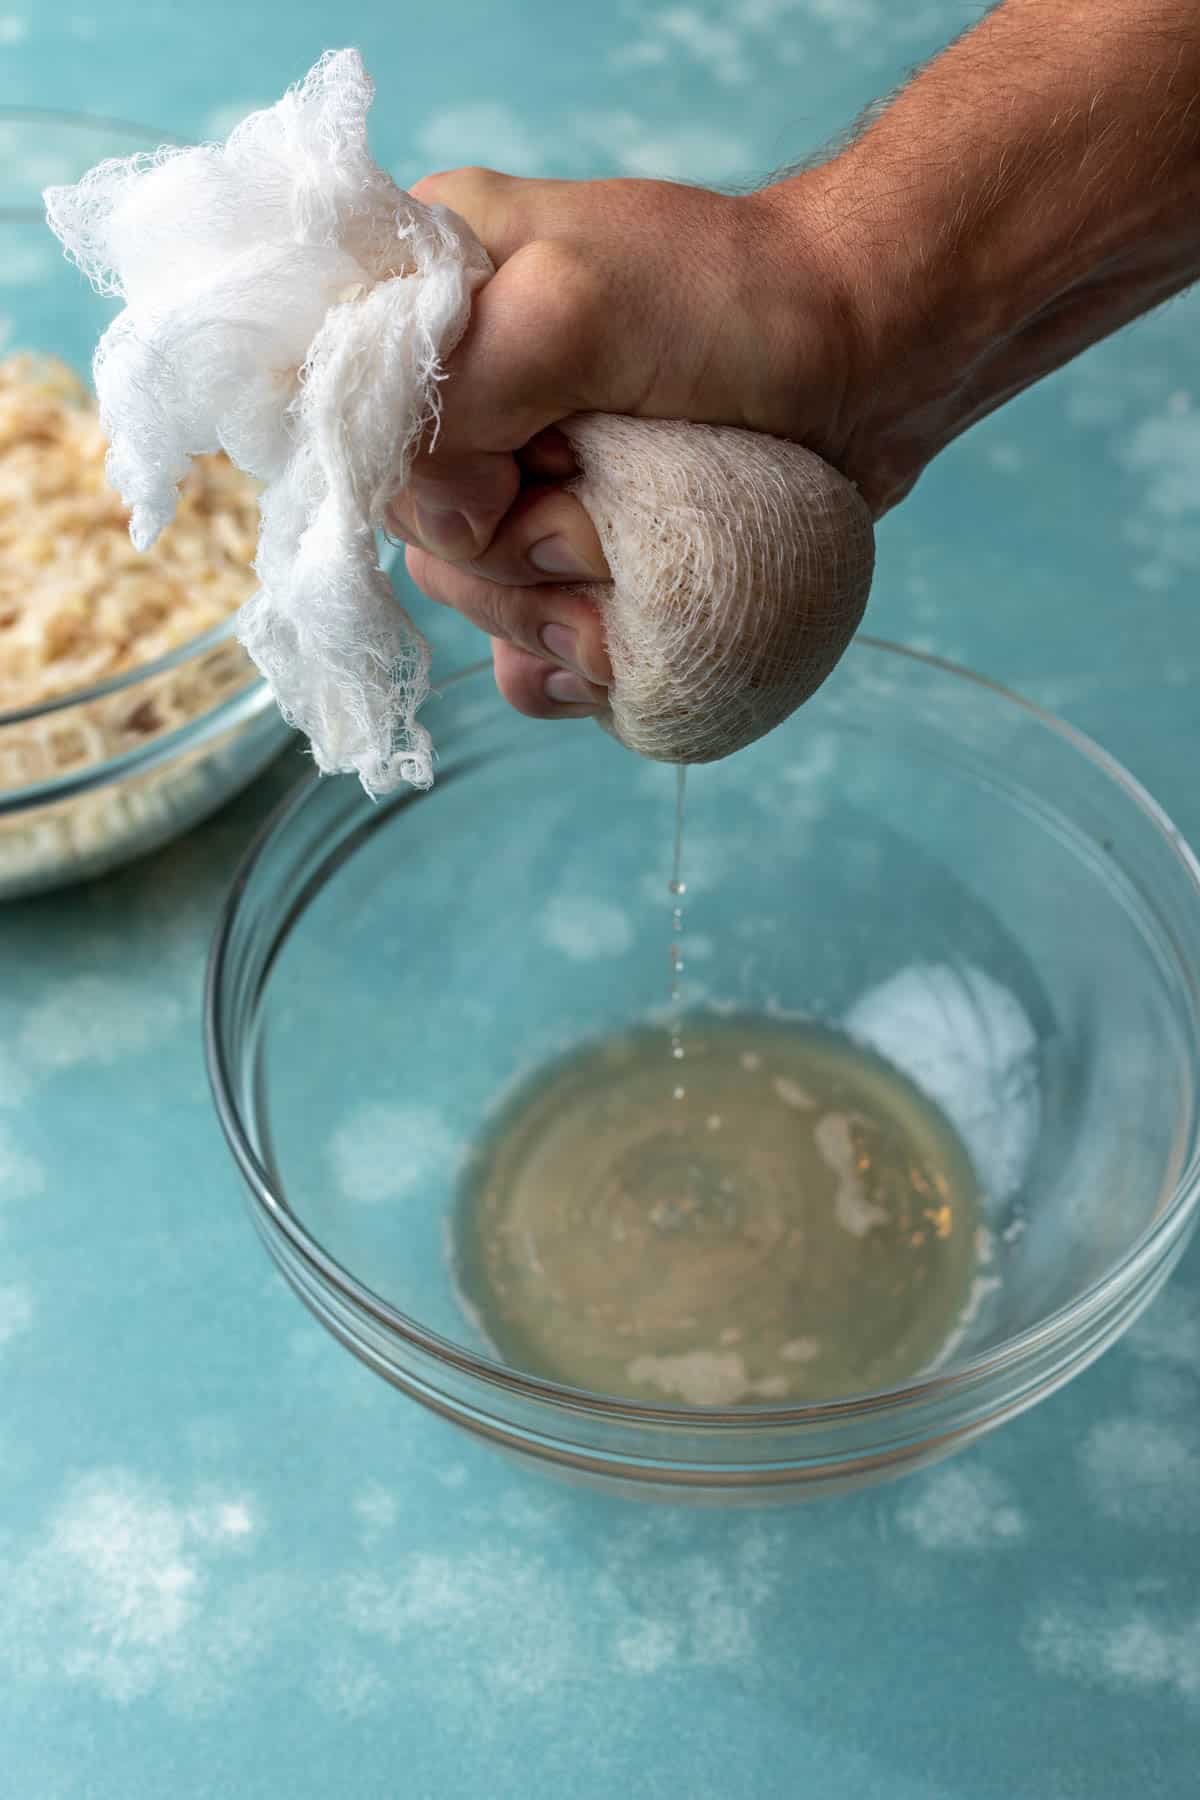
<point>809,309</point>
<point>874,357</point>
<point>1015,204</point>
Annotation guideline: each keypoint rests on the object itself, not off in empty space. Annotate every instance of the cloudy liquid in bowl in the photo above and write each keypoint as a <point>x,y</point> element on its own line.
<point>796,1224</point>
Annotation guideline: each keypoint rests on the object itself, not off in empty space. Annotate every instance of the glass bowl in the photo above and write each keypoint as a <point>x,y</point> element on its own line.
<point>968,886</point>
<point>101,775</point>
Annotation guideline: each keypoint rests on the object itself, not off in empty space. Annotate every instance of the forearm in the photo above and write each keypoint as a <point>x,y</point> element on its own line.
<point>1034,188</point>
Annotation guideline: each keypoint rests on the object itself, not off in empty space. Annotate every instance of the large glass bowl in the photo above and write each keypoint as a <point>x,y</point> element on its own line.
<point>101,775</point>
<point>973,888</point>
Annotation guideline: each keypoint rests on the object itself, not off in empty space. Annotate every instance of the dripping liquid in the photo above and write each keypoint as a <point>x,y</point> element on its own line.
<point>677,888</point>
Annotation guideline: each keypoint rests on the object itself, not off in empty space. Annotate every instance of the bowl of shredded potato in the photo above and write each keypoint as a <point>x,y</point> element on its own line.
<point>128,710</point>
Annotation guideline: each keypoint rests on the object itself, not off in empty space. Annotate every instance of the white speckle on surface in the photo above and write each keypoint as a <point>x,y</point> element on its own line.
<point>688,153</point>
<point>347,1685</point>
<point>118,1594</point>
<point>16,1311</point>
<point>676,1608</point>
<point>1168,1331</point>
<point>93,1019</point>
<point>967,1043</point>
<point>1138,1653</point>
<point>643,53</point>
<point>383,1152</point>
<point>1165,451</point>
<point>586,930</point>
<point>1119,1645</point>
<point>13,29</point>
<point>1006,459</point>
<point>1144,1472</point>
<point>500,1611</point>
<point>516,1509</point>
<point>637,146</point>
<point>234,1520</point>
<point>714,44</point>
<point>650,1645</point>
<point>1161,452</point>
<point>481,131</point>
<point>1163,1390</point>
<point>376,1508</point>
<point>507,1624</point>
<point>959,1508</point>
<point>221,1521</point>
<point>800,1350</point>
<point>21,1175</point>
<point>454,1475</point>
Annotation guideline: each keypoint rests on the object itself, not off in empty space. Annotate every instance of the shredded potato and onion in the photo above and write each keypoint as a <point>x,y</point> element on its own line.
<point>79,606</point>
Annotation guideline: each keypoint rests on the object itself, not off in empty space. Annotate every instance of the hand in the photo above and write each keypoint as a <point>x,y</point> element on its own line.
<point>634,297</point>
<point>871,308</point>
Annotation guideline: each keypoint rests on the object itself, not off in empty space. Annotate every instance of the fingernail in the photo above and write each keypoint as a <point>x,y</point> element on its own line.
<point>562,644</point>
<point>566,688</point>
<point>555,556</point>
<point>445,531</point>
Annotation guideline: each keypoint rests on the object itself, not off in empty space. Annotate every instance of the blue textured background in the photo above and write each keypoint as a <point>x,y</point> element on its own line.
<point>231,1562</point>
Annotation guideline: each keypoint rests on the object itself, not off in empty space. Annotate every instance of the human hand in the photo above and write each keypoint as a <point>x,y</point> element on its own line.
<point>871,308</point>
<point>635,297</point>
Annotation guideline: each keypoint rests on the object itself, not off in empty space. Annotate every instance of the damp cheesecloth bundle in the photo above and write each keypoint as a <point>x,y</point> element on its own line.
<point>286,302</point>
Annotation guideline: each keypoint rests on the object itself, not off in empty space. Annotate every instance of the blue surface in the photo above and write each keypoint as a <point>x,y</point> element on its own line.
<point>232,1562</point>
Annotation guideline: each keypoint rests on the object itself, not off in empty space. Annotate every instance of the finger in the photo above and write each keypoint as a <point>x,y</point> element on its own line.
<point>452,504</point>
<point>539,690</point>
<point>548,457</point>
<point>545,536</point>
<point>500,209</point>
<point>550,622</point>
<point>455,500</point>
<point>539,346</point>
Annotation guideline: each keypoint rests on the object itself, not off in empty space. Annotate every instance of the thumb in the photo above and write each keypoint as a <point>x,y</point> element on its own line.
<point>514,372</point>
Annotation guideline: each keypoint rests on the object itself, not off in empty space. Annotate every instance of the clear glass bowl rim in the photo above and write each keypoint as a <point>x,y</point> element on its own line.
<point>1148,1248</point>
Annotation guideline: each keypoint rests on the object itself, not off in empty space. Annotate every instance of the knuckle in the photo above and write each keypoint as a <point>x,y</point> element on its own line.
<point>466,190</point>
<point>490,609</point>
<point>563,288</point>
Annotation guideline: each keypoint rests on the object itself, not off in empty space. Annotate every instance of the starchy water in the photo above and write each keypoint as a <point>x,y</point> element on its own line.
<point>774,1216</point>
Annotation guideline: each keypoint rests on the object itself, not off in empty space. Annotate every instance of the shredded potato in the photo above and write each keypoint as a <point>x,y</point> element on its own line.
<point>78,603</point>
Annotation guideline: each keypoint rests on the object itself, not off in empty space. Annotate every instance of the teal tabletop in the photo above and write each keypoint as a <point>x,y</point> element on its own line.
<point>233,1562</point>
